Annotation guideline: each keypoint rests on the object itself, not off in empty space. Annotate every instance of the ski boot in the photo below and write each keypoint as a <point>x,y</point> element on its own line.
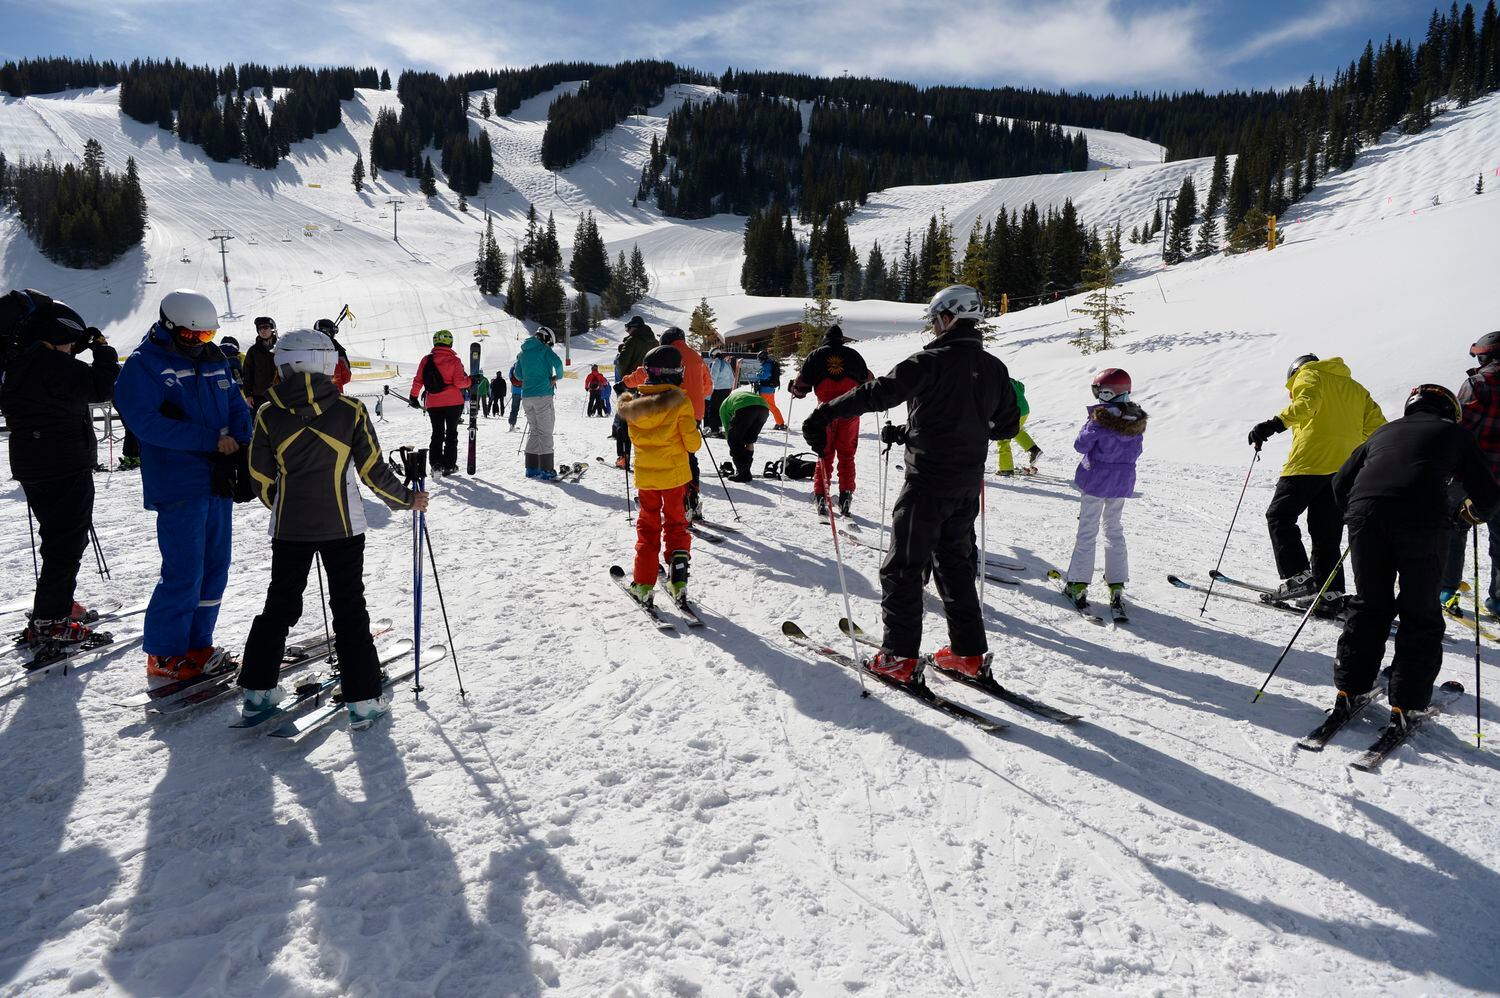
<point>1005,472</point>
<point>1296,587</point>
<point>677,578</point>
<point>173,667</point>
<point>1032,455</point>
<point>1117,602</point>
<point>694,507</point>
<point>820,501</point>
<point>726,468</point>
<point>897,667</point>
<point>1078,593</point>
<point>363,713</point>
<point>1449,599</point>
<point>259,703</point>
<point>57,633</point>
<point>846,500</point>
<point>964,665</point>
<point>642,592</point>
<point>1492,607</point>
<point>128,464</point>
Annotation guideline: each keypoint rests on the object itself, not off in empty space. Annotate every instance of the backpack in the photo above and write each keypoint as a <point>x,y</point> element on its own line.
<point>798,467</point>
<point>432,378</point>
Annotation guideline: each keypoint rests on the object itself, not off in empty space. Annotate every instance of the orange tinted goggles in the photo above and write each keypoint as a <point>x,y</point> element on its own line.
<point>195,335</point>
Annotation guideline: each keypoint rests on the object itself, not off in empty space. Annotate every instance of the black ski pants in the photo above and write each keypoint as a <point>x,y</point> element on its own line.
<point>442,451</point>
<point>743,431</point>
<point>1313,495</point>
<point>711,414</point>
<point>291,561</point>
<point>64,510</point>
<point>1385,547</point>
<point>937,529</point>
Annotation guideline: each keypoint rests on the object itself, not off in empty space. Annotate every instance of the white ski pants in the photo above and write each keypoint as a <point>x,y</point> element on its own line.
<point>541,418</point>
<point>1092,511</point>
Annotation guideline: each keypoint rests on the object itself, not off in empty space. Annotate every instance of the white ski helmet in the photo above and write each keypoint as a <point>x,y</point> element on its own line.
<point>962,301</point>
<point>185,312</point>
<point>304,351</point>
<point>545,334</point>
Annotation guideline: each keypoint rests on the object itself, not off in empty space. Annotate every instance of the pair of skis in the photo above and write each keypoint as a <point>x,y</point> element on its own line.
<point>1118,614</point>
<point>54,657</point>
<point>1395,734</point>
<point>683,605</point>
<point>474,375</point>
<point>298,728</point>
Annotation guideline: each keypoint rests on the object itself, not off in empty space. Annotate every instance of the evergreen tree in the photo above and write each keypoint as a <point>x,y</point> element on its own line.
<point>799,279</point>
<point>877,284</point>
<point>484,106</point>
<point>516,299</point>
<point>385,80</point>
<point>640,280</point>
<point>853,288</point>
<point>1180,239</point>
<point>428,184</point>
<point>1218,185</point>
<point>579,317</point>
<point>616,298</point>
<point>549,253</point>
<point>1479,185</point>
<point>1104,306</point>
<point>529,243</point>
<point>489,269</point>
<point>817,317</point>
<point>359,172</point>
<point>548,300</point>
<point>1208,236</point>
<point>1250,234</point>
<point>976,260</point>
<point>590,263</point>
<point>703,329</point>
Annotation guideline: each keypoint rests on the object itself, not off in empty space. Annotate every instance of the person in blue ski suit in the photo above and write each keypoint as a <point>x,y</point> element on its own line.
<point>179,397</point>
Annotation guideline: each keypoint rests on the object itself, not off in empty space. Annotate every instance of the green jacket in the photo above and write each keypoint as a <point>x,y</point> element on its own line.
<point>482,390</point>
<point>633,350</point>
<point>1021,397</point>
<point>1330,415</point>
<point>744,397</point>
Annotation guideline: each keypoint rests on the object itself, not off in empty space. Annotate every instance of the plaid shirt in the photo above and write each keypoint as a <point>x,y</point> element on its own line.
<point>1479,398</point>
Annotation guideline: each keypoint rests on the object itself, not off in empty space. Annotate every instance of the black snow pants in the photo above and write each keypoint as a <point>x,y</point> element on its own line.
<point>291,561</point>
<point>64,510</point>
<point>1386,546</point>
<point>937,529</point>
<point>743,431</point>
<point>442,450</point>
<point>1312,494</point>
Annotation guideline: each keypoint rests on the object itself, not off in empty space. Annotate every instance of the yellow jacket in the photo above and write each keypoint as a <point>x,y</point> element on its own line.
<point>1330,415</point>
<point>664,432</point>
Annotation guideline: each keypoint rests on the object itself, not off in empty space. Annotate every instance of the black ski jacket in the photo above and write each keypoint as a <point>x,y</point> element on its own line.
<point>46,400</point>
<point>831,369</point>
<point>633,349</point>
<point>308,446</point>
<point>258,370</point>
<point>1406,468</point>
<point>958,398</point>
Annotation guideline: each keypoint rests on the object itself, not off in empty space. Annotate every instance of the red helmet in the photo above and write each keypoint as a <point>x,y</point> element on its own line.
<point>1111,384</point>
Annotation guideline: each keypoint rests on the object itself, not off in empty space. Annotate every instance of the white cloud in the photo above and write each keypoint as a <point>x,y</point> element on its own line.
<point>1309,26</point>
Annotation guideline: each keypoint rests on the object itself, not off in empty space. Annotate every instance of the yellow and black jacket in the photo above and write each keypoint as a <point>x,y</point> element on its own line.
<point>308,445</point>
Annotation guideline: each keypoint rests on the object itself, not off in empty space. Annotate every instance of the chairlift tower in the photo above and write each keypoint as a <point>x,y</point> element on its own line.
<point>222,237</point>
<point>395,204</point>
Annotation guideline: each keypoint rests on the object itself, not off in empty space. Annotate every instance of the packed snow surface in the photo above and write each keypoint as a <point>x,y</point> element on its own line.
<point>615,811</point>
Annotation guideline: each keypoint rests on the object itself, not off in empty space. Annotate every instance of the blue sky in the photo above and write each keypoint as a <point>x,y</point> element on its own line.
<point>1097,45</point>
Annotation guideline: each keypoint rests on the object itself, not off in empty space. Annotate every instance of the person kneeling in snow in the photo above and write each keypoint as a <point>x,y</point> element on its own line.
<point>309,442</point>
<point>664,432</point>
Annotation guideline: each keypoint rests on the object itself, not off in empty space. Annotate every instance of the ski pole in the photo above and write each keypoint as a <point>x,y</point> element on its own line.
<point>323,602</point>
<point>438,583</point>
<point>99,559</point>
<point>786,438</point>
<point>1478,724</point>
<point>838,557</point>
<point>1214,576</point>
<point>983,548</point>
<point>722,483</point>
<point>418,532</point>
<point>1295,634</point>
<point>885,481</point>
<point>36,571</point>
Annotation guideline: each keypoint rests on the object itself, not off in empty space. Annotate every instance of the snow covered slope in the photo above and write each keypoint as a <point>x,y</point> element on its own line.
<point>614,811</point>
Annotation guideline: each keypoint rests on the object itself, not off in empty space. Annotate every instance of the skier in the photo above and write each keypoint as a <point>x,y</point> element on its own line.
<point>604,393</point>
<point>594,384</point>
<point>1393,494</point>
<point>767,382</point>
<point>1111,443</point>
<point>482,392</point>
<point>665,432</point>
<point>515,395</point>
<point>1005,458</point>
<point>743,415</point>
<point>45,397</point>
<point>442,378</point>
<point>639,340</point>
<point>539,368</point>
<point>1479,398</point>
<point>1330,414</point>
<point>176,394</point>
<point>959,398</point>
<point>308,444</point>
<point>721,370</point>
<point>698,386</point>
<point>498,393</point>
<point>259,369</point>
<point>830,371</point>
<point>343,373</point>
<point>230,348</point>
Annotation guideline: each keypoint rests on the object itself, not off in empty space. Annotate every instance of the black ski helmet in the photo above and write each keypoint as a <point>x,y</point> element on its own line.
<point>1435,399</point>
<point>1299,363</point>
<point>1486,347</point>
<point>663,365</point>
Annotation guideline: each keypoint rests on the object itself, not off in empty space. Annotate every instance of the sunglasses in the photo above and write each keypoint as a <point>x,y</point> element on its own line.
<point>194,335</point>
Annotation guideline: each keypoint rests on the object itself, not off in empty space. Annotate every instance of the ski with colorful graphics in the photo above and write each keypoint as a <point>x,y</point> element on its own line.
<point>474,375</point>
<point>916,690</point>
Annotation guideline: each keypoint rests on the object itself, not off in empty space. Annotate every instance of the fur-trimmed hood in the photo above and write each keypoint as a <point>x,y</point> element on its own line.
<point>1125,418</point>
<point>657,401</point>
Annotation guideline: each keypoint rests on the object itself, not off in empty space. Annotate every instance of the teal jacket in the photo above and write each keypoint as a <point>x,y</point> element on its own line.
<point>537,366</point>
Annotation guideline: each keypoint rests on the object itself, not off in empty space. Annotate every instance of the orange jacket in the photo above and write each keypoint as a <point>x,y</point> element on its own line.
<point>697,383</point>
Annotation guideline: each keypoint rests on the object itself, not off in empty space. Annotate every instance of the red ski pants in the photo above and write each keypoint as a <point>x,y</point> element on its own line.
<point>843,439</point>
<point>657,504</point>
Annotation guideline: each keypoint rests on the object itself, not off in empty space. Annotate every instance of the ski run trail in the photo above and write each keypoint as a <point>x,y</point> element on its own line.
<point>622,812</point>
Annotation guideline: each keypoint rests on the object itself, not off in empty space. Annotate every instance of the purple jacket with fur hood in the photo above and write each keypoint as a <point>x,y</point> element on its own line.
<point>1110,442</point>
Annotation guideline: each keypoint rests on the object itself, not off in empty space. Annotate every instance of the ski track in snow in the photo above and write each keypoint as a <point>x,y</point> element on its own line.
<point>619,812</point>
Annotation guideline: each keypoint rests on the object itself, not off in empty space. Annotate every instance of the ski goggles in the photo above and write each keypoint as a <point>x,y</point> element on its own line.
<point>187,335</point>
<point>1104,394</point>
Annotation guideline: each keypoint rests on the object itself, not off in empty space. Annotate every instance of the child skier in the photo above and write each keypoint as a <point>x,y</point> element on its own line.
<point>664,432</point>
<point>1005,459</point>
<point>308,443</point>
<point>1110,443</point>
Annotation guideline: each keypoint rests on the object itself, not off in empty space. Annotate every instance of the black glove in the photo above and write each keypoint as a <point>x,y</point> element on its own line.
<point>890,433</point>
<point>1265,431</point>
<point>815,431</point>
<point>797,389</point>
